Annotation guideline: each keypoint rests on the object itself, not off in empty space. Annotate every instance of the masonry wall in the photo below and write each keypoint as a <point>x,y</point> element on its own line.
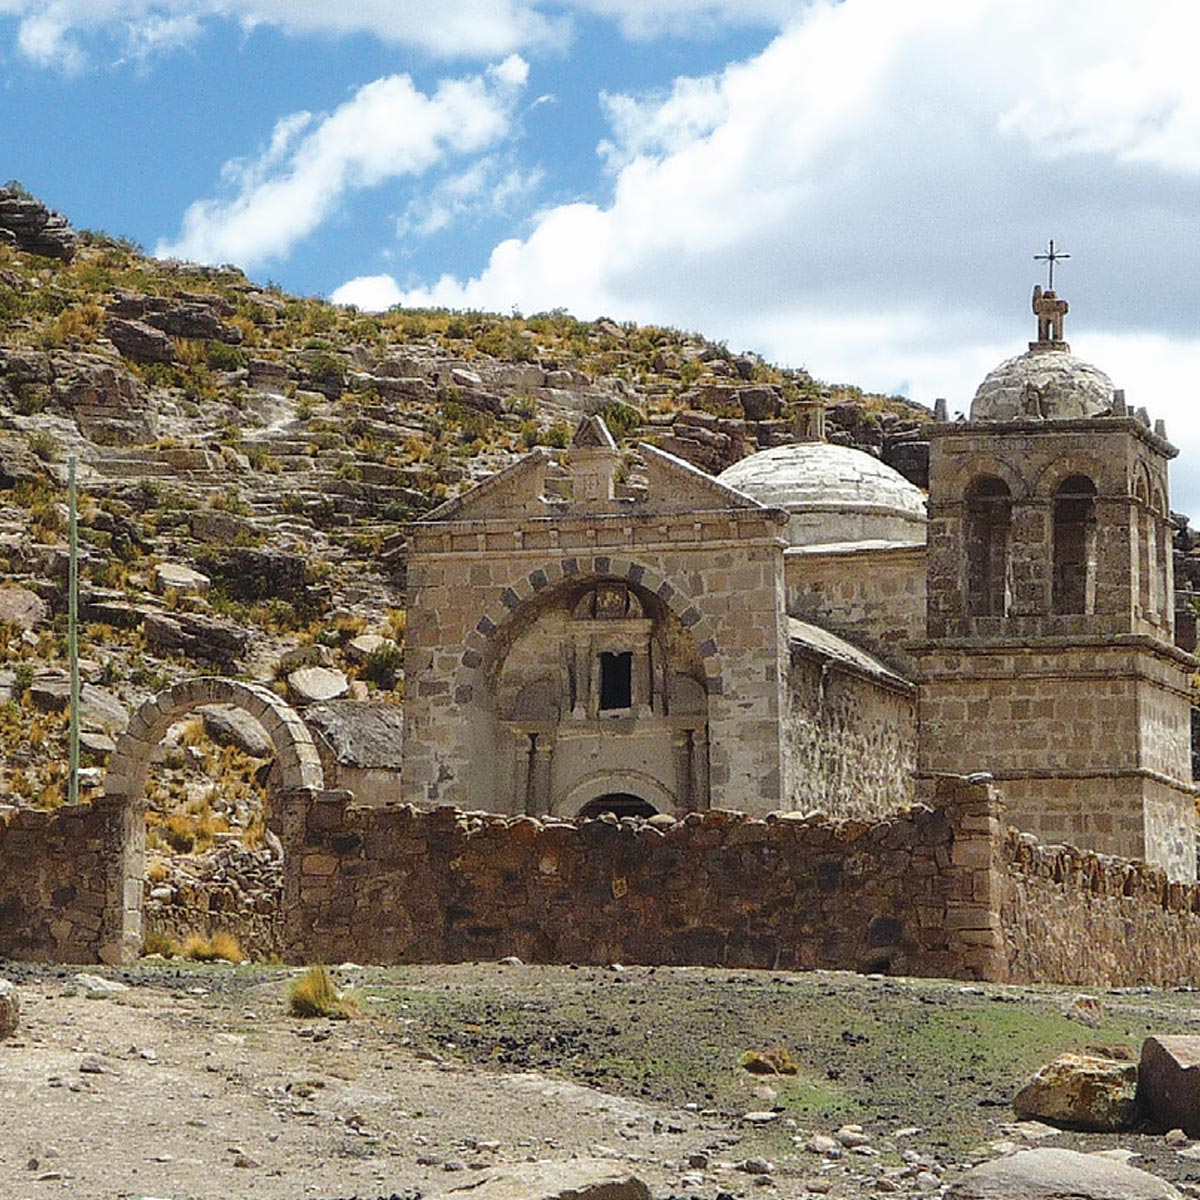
<point>907,894</point>
<point>1073,917</point>
<point>62,882</point>
<point>873,597</point>
<point>852,741</point>
<point>721,572</point>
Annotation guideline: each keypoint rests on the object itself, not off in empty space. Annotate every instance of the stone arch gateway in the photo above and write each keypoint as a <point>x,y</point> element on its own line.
<point>296,757</point>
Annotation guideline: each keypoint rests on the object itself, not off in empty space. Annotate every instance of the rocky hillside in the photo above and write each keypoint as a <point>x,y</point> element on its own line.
<point>247,459</point>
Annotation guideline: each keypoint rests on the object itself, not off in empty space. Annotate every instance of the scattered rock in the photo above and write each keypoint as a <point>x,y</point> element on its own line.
<point>1170,1081</point>
<point>141,342</point>
<point>822,1143</point>
<point>228,726</point>
<point>580,1179</point>
<point>1087,1010</point>
<point>1082,1092</point>
<point>1175,1138</point>
<point>96,987</point>
<point>312,655</point>
<point>179,578</point>
<point>851,1136</point>
<point>90,1064</point>
<point>1049,1174</point>
<point>21,607</point>
<point>311,685</point>
<point>198,637</point>
<point>760,1118</point>
<point>10,1008</point>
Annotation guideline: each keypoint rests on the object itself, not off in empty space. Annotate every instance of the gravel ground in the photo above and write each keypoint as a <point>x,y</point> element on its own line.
<point>195,1084</point>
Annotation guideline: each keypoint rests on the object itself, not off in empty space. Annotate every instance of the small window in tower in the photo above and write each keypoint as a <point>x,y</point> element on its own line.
<point>616,680</point>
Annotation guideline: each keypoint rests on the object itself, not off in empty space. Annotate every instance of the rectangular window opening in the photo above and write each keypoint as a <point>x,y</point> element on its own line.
<point>616,680</point>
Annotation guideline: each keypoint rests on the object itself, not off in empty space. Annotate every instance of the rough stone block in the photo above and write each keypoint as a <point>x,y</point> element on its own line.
<point>1169,1081</point>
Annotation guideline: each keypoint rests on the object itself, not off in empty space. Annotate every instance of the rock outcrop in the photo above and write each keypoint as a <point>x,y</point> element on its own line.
<point>29,225</point>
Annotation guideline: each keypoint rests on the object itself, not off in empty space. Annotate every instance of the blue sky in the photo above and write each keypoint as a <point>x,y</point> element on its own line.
<point>854,186</point>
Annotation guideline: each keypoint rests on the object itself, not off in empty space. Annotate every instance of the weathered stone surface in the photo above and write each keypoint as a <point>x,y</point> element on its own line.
<point>1082,1092</point>
<point>96,987</point>
<point>33,228</point>
<point>21,607</point>
<point>1169,1081</point>
<point>104,398</point>
<point>198,637</point>
<point>580,1179</point>
<point>229,726</point>
<point>17,461</point>
<point>359,649</point>
<point>360,734</point>
<point>188,315</point>
<point>141,342</point>
<point>98,708</point>
<point>310,685</point>
<point>1048,1174</point>
<point>10,1008</point>
<point>181,578</point>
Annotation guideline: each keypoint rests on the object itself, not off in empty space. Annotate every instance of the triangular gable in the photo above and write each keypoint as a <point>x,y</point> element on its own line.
<point>593,434</point>
<point>674,483</point>
<point>513,492</point>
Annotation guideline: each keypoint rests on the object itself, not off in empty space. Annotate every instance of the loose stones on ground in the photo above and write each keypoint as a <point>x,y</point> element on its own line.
<point>10,1009</point>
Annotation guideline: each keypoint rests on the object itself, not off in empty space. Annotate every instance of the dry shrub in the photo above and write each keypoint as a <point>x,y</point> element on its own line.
<point>157,872</point>
<point>314,995</point>
<point>221,946</point>
<point>161,943</point>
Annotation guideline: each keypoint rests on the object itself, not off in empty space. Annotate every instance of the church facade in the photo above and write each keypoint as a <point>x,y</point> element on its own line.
<point>809,631</point>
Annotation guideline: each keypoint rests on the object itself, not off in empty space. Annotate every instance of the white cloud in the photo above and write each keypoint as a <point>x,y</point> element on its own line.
<point>864,197</point>
<point>374,293</point>
<point>386,130</point>
<point>53,32</point>
<point>488,186</point>
<point>50,32</point>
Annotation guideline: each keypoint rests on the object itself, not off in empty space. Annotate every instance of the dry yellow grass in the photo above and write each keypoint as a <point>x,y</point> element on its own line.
<point>314,995</point>
<point>222,945</point>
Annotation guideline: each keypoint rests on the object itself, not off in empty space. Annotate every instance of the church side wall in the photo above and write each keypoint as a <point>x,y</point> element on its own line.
<point>873,598</point>
<point>852,743</point>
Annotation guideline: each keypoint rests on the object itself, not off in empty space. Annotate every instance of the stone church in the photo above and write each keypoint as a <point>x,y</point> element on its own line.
<point>809,631</point>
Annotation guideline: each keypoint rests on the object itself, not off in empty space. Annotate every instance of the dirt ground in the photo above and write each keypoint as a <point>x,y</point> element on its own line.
<point>195,1084</point>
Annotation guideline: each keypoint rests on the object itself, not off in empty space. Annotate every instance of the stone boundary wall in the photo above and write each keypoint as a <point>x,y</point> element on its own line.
<point>1070,916</point>
<point>259,934</point>
<point>912,894</point>
<point>63,883</point>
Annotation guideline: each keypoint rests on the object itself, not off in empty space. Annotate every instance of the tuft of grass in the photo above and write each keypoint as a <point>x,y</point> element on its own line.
<point>161,943</point>
<point>314,995</point>
<point>221,946</point>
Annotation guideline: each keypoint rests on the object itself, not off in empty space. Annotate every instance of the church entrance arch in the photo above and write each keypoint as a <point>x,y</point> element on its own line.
<point>620,804</point>
<point>624,793</point>
<point>297,766</point>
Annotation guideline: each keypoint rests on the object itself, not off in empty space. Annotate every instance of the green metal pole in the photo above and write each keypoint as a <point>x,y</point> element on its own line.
<point>73,632</point>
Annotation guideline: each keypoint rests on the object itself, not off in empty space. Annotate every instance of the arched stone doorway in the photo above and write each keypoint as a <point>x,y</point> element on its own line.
<point>297,766</point>
<point>620,804</point>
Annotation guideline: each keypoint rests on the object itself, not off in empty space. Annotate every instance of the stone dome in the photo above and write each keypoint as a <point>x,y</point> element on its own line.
<point>1043,384</point>
<point>832,494</point>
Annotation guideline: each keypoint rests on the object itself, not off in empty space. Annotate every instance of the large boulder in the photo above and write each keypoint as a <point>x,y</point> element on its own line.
<point>1169,1082</point>
<point>204,638</point>
<point>1049,1174</point>
<point>229,726</point>
<point>10,1009</point>
<point>21,607</point>
<point>311,685</point>
<point>580,1179</point>
<point>1081,1092</point>
<point>139,341</point>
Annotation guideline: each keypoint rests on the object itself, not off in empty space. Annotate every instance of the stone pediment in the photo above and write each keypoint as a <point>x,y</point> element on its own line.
<point>517,491</point>
<point>675,485</point>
